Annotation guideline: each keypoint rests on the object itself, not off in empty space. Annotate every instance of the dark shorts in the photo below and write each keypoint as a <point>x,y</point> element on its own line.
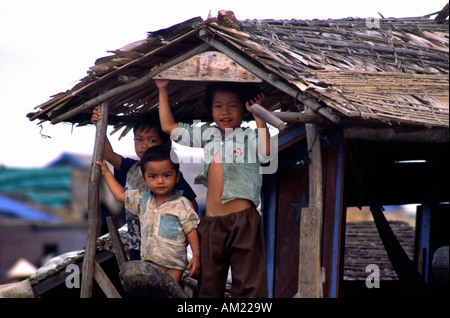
<point>235,240</point>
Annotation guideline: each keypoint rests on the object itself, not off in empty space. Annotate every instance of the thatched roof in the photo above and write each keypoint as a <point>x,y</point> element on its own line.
<point>385,70</point>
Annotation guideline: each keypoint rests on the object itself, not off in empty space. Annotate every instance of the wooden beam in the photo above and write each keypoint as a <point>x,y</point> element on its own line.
<point>299,118</point>
<point>409,277</point>
<point>267,116</point>
<point>93,205</point>
<point>135,84</point>
<point>119,251</point>
<point>209,66</point>
<point>310,278</point>
<point>295,93</point>
<point>397,133</point>
<point>105,283</point>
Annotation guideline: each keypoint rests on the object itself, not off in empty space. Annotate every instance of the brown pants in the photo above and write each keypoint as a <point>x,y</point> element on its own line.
<point>235,239</point>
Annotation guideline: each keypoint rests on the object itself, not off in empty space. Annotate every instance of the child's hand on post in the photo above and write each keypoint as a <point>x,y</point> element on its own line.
<point>104,167</point>
<point>96,116</point>
<point>116,189</point>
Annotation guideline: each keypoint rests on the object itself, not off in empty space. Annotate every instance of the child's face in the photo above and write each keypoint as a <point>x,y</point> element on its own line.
<point>161,177</point>
<point>144,139</point>
<point>227,110</point>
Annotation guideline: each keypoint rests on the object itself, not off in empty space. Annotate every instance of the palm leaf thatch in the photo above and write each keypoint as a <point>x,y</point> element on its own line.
<point>387,71</point>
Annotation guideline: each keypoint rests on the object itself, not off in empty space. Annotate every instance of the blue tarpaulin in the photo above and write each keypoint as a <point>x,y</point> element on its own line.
<point>13,208</point>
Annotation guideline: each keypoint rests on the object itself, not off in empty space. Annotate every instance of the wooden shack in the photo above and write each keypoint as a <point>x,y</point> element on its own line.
<point>366,107</point>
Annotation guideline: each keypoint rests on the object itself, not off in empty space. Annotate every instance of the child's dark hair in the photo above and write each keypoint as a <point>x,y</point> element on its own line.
<point>159,153</point>
<point>245,91</point>
<point>148,121</point>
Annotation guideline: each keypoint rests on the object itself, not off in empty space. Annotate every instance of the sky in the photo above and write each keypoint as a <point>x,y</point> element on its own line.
<point>47,46</point>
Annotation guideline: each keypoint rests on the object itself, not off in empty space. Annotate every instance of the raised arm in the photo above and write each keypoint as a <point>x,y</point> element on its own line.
<point>116,189</point>
<point>168,123</point>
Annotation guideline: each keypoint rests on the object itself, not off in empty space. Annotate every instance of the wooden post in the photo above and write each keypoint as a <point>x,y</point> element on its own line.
<point>104,282</point>
<point>413,283</point>
<point>310,270</point>
<point>300,118</point>
<point>93,205</point>
<point>119,251</point>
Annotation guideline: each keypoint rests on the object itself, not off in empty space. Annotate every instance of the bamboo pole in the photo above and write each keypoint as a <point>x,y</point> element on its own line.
<point>93,205</point>
<point>267,116</point>
<point>310,270</point>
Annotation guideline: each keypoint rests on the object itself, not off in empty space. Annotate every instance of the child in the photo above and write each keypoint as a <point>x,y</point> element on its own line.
<point>167,218</point>
<point>147,133</point>
<point>231,231</point>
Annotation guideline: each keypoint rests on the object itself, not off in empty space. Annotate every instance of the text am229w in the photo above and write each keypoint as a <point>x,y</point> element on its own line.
<point>227,307</point>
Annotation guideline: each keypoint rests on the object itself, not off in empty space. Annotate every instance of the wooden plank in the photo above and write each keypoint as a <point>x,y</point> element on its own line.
<point>209,66</point>
<point>413,282</point>
<point>20,289</point>
<point>104,282</point>
<point>119,251</point>
<point>290,198</point>
<point>397,133</point>
<point>299,118</point>
<point>333,218</point>
<point>310,269</point>
<point>93,205</point>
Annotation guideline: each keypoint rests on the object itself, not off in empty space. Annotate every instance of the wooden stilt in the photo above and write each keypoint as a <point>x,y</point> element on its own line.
<point>104,282</point>
<point>310,269</point>
<point>93,205</point>
<point>413,283</point>
<point>119,251</point>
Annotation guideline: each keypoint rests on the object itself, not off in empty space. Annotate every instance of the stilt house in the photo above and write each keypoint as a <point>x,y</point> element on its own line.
<point>362,108</point>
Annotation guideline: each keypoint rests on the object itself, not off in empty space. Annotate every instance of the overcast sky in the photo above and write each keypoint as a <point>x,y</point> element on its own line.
<point>46,46</point>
